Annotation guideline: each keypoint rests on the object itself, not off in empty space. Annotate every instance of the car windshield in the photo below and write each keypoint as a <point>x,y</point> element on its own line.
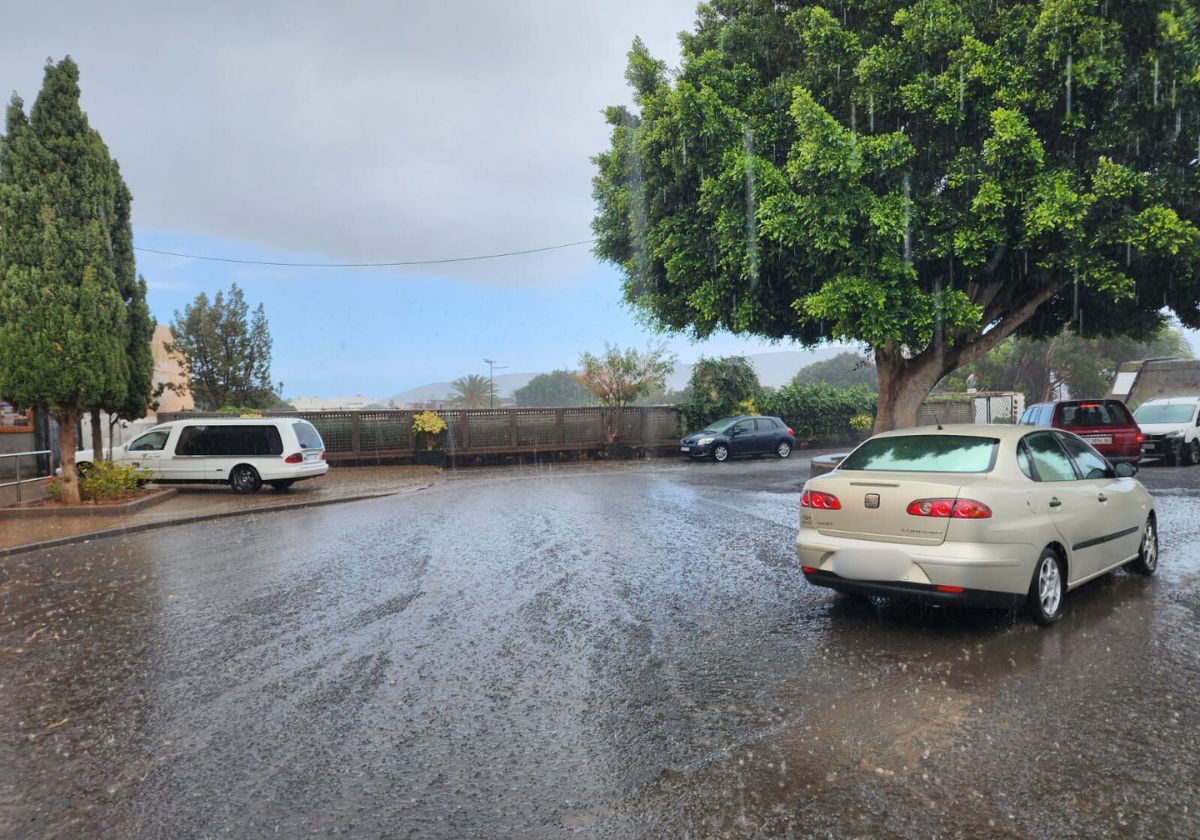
<point>924,453</point>
<point>720,426</point>
<point>1164,413</point>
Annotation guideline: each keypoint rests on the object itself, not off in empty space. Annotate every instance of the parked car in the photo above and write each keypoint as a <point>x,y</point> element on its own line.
<point>243,452</point>
<point>736,436</point>
<point>1172,429</point>
<point>1105,424</point>
<point>986,515</point>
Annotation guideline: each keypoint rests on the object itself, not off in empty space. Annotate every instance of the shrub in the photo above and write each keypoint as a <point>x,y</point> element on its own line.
<point>428,425</point>
<point>720,388</point>
<point>862,422</point>
<point>105,482</point>
<point>817,411</point>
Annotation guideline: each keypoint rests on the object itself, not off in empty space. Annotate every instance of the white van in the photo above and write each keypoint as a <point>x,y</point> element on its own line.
<point>1172,429</point>
<point>243,452</point>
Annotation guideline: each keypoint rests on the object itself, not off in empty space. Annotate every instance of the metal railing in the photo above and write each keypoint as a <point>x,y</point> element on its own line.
<point>18,456</point>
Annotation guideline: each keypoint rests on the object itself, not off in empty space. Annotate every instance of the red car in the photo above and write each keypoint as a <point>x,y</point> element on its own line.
<point>1106,424</point>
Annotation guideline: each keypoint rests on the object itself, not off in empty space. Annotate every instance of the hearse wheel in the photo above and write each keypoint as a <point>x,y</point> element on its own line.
<point>244,479</point>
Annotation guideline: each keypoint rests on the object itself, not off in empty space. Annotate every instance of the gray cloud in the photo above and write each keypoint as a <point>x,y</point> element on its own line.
<point>354,132</point>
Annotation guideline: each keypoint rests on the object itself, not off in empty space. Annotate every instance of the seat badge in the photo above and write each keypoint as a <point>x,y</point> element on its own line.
<point>871,500</point>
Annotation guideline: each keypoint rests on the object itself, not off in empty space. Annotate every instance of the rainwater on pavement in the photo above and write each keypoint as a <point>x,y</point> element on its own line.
<point>584,651</point>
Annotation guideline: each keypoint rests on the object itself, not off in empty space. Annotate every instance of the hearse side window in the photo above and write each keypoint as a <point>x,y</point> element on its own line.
<point>230,441</point>
<point>191,441</point>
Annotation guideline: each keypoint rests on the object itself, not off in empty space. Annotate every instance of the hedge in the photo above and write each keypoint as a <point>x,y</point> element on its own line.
<point>818,410</point>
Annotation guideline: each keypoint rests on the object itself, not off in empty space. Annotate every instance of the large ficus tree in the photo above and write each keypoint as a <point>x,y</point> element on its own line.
<point>923,177</point>
<point>64,319</point>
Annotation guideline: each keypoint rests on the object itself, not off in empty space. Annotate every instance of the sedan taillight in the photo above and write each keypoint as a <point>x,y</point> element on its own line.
<point>949,508</point>
<point>296,458</point>
<point>819,500</point>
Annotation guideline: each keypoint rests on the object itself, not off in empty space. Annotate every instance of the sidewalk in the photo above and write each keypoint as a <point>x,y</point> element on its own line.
<point>198,503</point>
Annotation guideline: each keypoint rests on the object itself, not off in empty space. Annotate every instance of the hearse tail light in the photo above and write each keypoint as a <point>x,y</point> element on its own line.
<point>296,458</point>
<point>820,501</point>
<point>949,508</point>
<point>322,454</point>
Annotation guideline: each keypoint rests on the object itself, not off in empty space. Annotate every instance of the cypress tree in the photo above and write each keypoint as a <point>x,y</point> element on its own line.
<point>64,331</point>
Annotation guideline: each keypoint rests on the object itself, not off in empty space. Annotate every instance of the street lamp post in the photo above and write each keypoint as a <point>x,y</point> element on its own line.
<point>491,363</point>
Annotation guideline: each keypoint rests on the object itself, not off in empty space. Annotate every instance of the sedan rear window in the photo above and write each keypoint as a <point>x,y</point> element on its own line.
<point>925,453</point>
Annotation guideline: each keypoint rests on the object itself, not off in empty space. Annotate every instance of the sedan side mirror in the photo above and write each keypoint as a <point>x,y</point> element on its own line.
<point>1126,469</point>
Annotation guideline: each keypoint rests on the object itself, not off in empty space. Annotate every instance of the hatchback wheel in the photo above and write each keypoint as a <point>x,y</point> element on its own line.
<point>244,479</point>
<point>1146,562</point>
<point>784,449</point>
<point>1047,589</point>
<point>720,452</point>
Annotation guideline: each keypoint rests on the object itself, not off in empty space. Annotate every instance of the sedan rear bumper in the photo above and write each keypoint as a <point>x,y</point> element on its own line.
<point>983,598</point>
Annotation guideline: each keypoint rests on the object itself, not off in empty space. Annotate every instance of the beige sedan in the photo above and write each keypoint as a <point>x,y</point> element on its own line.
<point>986,515</point>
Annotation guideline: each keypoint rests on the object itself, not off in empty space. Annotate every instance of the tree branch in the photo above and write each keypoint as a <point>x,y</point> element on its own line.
<point>975,350</point>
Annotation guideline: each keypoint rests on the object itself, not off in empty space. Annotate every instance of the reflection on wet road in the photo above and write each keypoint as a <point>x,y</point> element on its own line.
<point>603,652</point>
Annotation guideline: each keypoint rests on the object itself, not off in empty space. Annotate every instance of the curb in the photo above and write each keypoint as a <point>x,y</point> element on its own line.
<point>150,499</point>
<point>122,530</point>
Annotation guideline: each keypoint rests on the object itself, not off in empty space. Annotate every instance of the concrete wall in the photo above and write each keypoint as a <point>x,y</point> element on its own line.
<point>1151,380</point>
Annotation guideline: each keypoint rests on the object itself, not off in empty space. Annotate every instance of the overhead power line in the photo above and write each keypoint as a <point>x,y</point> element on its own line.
<point>394,264</point>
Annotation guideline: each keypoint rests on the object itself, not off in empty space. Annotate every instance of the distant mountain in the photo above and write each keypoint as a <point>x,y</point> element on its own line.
<point>773,369</point>
<point>505,385</point>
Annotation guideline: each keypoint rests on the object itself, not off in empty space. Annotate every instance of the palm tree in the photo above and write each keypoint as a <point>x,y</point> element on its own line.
<point>472,391</point>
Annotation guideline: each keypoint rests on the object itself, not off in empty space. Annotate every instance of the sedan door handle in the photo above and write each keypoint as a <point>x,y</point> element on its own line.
<point>1054,502</point>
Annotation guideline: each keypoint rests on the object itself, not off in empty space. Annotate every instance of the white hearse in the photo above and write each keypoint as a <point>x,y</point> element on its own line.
<point>243,452</point>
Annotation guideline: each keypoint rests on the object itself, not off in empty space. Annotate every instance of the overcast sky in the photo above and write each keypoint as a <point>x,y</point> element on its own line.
<point>355,132</point>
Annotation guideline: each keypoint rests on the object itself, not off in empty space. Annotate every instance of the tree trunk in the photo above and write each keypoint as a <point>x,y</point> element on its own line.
<point>97,436</point>
<point>68,483</point>
<point>903,386</point>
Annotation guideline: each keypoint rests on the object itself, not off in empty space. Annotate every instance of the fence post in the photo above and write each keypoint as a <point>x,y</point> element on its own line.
<point>406,417</point>
<point>18,460</point>
<point>466,430</point>
<point>645,427</point>
<point>560,427</point>
<point>512,427</point>
<point>355,433</point>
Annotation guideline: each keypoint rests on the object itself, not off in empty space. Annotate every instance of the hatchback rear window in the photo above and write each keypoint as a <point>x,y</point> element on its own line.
<point>925,453</point>
<point>1095,414</point>
<point>307,436</point>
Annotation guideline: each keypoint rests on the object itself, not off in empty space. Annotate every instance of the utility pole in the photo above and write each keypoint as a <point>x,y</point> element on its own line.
<point>491,363</point>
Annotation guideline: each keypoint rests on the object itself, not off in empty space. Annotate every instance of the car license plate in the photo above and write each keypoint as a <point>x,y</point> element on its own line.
<point>1094,439</point>
<point>309,457</point>
<point>685,449</point>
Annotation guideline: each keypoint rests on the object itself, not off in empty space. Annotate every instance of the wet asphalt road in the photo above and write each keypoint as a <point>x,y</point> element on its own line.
<point>608,652</point>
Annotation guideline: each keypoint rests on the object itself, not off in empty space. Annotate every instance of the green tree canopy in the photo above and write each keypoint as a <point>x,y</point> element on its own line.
<point>1083,367</point>
<point>923,176</point>
<point>720,388</point>
<point>68,296</point>
<point>225,352</point>
<point>556,389</point>
<point>473,391</point>
<point>844,370</point>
